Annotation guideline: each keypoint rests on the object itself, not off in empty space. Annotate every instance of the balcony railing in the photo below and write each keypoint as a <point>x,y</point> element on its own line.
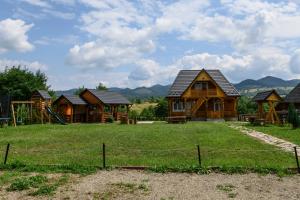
<point>205,93</point>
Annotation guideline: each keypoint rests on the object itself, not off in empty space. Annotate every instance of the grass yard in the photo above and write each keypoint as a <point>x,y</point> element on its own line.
<point>159,144</point>
<point>283,132</point>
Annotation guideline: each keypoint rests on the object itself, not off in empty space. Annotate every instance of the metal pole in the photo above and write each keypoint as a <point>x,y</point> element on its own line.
<point>6,153</point>
<point>103,156</point>
<point>199,155</point>
<point>297,161</point>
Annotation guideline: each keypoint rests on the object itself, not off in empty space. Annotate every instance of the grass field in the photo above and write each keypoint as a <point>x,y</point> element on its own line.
<point>159,144</point>
<point>283,132</point>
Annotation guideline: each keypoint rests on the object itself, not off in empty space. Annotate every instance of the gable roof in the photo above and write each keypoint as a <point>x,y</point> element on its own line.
<point>262,96</point>
<point>294,95</point>
<point>44,94</point>
<point>73,99</point>
<point>186,77</point>
<point>108,97</point>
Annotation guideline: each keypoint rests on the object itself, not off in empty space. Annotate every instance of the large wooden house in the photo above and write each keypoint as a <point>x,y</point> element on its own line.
<point>104,104</point>
<point>202,95</point>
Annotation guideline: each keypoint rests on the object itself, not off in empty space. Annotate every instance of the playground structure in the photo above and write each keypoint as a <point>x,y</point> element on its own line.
<point>271,98</point>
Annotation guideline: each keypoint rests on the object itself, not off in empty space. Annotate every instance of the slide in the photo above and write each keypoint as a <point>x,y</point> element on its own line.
<point>56,116</point>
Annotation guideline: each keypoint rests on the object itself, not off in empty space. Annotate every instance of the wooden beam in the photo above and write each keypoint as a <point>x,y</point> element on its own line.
<point>13,115</point>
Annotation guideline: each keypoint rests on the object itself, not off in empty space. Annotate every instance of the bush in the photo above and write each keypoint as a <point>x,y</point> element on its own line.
<point>293,117</point>
<point>110,120</point>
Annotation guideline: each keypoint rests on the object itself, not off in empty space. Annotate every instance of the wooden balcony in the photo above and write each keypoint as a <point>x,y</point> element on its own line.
<point>204,93</point>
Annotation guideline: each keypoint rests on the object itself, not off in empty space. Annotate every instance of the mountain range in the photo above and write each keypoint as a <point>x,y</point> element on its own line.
<point>248,87</point>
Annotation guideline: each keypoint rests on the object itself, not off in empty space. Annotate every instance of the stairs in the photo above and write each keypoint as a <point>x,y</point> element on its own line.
<point>198,104</point>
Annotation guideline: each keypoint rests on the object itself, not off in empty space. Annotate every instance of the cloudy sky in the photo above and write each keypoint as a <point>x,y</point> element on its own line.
<point>145,42</point>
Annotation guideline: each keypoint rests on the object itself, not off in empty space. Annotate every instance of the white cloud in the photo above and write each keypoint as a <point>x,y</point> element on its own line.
<point>13,36</point>
<point>39,3</point>
<point>59,14</point>
<point>32,66</point>
<point>295,62</point>
<point>96,55</point>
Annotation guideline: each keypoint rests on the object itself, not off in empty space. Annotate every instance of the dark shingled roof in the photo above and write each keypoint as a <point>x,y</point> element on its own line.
<point>186,77</point>
<point>108,97</point>
<point>44,94</point>
<point>261,96</point>
<point>294,95</point>
<point>74,99</point>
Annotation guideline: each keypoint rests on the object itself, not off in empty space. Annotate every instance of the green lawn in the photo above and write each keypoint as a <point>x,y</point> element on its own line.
<point>283,132</point>
<point>168,145</point>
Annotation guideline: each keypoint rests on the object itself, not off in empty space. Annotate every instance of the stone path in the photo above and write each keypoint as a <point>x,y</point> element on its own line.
<point>283,144</point>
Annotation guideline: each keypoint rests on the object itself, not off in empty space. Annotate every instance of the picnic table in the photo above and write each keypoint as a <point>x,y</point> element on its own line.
<point>3,120</point>
<point>177,119</point>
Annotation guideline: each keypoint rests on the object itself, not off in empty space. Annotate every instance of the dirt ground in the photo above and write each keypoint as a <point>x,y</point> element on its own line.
<point>128,184</point>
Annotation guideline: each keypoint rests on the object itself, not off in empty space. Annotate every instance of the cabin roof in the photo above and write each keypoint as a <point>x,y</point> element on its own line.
<point>186,77</point>
<point>263,96</point>
<point>73,99</point>
<point>294,95</point>
<point>108,97</point>
<point>44,94</point>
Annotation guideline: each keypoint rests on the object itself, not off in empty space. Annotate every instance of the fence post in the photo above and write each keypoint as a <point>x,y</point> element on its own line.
<point>297,161</point>
<point>103,156</point>
<point>199,155</point>
<point>6,153</point>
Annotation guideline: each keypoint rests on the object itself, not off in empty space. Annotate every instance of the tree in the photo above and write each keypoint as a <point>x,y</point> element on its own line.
<point>101,86</point>
<point>148,113</point>
<point>79,90</point>
<point>246,106</point>
<point>161,109</point>
<point>20,83</point>
<point>293,117</point>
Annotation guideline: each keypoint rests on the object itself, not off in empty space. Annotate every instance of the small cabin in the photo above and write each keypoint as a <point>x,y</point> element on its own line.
<point>41,99</point>
<point>105,104</point>
<point>269,98</point>
<point>292,98</point>
<point>72,108</point>
<point>202,95</point>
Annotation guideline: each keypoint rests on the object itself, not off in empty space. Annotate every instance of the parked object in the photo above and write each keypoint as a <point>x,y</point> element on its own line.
<point>202,95</point>
<point>270,98</point>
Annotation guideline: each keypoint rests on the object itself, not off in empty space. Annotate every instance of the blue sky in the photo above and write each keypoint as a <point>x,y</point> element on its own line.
<point>143,42</point>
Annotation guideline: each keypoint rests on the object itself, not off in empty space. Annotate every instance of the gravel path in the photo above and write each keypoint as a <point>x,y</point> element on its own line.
<point>122,184</point>
<point>141,185</point>
<point>283,144</point>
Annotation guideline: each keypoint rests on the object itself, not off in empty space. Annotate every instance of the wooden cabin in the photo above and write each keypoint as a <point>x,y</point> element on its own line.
<point>41,99</point>
<point>202,95</point>
<point>270,98</point>
<point>104,104</point>
<point>293,97</point>
<point>71,107</point>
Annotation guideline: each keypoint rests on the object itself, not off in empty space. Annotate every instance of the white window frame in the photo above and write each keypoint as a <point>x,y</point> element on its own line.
<point>178,106</point>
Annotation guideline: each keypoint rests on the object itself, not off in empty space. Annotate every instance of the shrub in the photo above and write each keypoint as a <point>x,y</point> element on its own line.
<point>293,117</point>
<point>110,119</point>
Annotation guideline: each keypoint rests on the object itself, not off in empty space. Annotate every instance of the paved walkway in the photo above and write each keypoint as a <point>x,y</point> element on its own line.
<point>283,144</point>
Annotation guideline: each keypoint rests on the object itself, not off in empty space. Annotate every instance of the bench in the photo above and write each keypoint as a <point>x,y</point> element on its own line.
<point>177,119</point>
<point>4,120</point>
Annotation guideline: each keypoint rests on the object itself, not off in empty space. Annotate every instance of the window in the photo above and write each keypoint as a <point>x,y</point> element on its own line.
<point>178,106</point>
<point>200,85</point>
<point>217,105</point>
<point>107,108</point>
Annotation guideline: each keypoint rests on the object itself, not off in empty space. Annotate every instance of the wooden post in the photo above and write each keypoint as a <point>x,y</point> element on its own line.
<point>103,156</point>
<point>199,155</point>
<point>297,161</point>
<point>6,153</point>
<point>13,115</point>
